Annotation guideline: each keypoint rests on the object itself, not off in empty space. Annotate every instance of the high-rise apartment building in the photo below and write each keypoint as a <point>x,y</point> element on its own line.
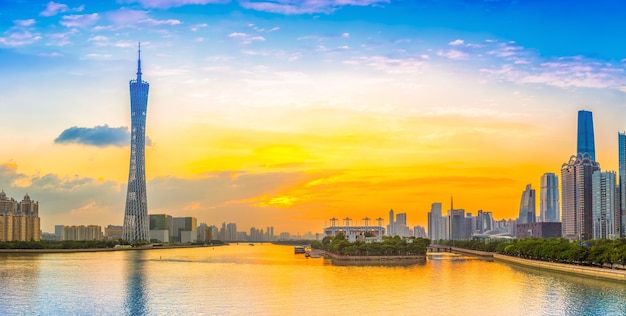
<point>549,207</point>
<point>527,206</point>
<point>136,222</point>
<point>434,222</point>
<point>576,197</point>
<point>585,140</point>
<point>621,140</point>
<point>390,226</point>
<point>457,224</point>
<point>605,205</point>
<point>19,220</point>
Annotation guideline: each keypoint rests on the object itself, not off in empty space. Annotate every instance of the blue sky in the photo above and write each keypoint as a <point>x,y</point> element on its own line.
<point>316,100</point>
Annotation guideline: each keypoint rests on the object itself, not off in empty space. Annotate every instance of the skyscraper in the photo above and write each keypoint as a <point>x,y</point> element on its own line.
<point>576,196</point>
<point>434,219</point>
<point>527,206</point>
<point>136,221</point>
<point>585,142</point>
<point>605,206</point>
<point>549,208</point>
<point>621,139</point>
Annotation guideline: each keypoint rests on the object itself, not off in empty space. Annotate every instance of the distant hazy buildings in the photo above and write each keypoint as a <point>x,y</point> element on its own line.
<point>80,232</point>
<point>605,210</point>
<point>136,222</point>
<point>398,226</point>
<point>527,206</point>
<point>19,220</point>
<point>419,232</point>
<point>113,232</point>
<point>549,206</point>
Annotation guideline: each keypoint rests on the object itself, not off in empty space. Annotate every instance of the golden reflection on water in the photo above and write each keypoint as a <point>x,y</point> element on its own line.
<point>267,279</point>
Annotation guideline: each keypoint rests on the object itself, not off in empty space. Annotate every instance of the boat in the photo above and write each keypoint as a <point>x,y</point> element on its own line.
<point>299,249</point>
<point>251,244</point>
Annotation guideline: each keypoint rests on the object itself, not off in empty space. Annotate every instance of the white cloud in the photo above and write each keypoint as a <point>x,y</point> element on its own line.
<point>453,54</point>
<point>24,23</point>
<point>457,42</point>
<point>389,65</point>
<point>289,7</point>
<point>345,35</point>
<point>79,20</point>
<point>245,38</point>
<point>161,22</point>
<point>196,27</point>
<point>564,72</point>
<point>62,38</point>
<point>54,8</point>
<point>19,38</point>
<point>165,4</point>
<point>98,38</point>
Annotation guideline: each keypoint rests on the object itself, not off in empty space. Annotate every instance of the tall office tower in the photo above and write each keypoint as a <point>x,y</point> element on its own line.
<point>621,139</point>
<point>136,221</point>
<point>456,222</point>
<point>549,207</point>
<point>390,226</point>
<point>434,219</point>
<point>527,206</point>
<point>585,143</point>
<point>576,197</point>
<point>605,209</point>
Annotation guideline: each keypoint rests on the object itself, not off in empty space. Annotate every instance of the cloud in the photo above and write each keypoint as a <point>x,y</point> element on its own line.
<point>457,42</point>
<point>165,4</point>
<point>79,20</point>
<point>246,38</point>
<point>99,136</point>
<point>289,7</point>
<point>160,22</point>
<point>125,16</point>
<point>453,54</point>
<point>18,38</point>
<point>389,65</point>
<point>564,72</point>
<point>54,8</point>
<point>24,23</point>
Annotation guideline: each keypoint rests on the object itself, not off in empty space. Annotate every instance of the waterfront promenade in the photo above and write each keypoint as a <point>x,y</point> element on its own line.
<point>604,273</point>
<point>595,272</point>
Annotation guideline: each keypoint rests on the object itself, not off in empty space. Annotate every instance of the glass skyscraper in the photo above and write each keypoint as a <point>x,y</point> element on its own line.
<point>549,207</point>
<point>527,206</point>
<point>585,143</point>
<point>136,221</point>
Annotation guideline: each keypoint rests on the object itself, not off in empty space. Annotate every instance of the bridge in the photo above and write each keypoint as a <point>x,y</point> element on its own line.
<point>439,248</point>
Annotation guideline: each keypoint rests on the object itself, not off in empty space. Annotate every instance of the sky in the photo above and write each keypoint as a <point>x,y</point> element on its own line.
<point>287,113</point>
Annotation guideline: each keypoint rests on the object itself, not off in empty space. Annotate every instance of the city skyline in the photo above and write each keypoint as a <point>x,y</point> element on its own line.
<point>289,113</point>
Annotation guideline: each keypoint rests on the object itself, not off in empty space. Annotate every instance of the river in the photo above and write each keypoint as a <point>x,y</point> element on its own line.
<point>268,279</point>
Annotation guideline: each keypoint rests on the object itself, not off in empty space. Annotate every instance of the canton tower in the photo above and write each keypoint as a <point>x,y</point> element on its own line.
<point>136,221</point>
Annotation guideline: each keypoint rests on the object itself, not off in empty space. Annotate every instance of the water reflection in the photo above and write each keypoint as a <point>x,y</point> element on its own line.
<point>136,300</point>
<point>19,276</point>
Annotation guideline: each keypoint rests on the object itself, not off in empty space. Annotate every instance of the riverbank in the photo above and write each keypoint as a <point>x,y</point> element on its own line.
<point>374,260</point>
<point>34,251</point>
<point>609,274</point>
<point>477,253</point>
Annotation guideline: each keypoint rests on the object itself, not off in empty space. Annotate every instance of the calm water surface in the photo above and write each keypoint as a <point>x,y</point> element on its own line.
<point>271,280</point>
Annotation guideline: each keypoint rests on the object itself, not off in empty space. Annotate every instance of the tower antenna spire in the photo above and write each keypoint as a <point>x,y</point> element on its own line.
<point>139,62</point>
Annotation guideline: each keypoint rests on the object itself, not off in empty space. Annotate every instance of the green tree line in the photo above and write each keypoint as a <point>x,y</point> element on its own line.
<point>66,244</point>
<point>600,252</point>
<point>389,246</point>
